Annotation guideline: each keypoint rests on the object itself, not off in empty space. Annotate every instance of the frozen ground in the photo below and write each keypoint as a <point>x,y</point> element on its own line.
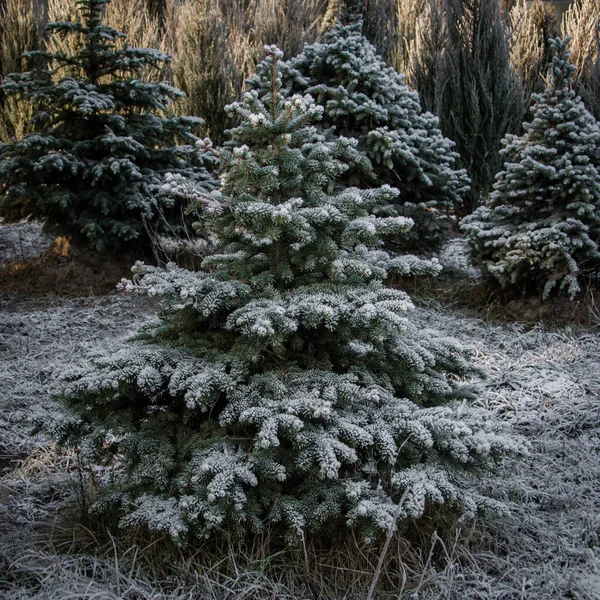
<point>455,257</point>
<point>22,241</point>
<point>544,383</point>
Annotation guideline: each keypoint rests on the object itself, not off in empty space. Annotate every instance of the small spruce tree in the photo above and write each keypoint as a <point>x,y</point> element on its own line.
<point>94,165</point>
<point>366,100</point>
<point>285,383</point>
<point>541,225</point>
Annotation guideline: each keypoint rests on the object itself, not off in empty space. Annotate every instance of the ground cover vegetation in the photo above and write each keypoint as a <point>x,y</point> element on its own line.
<point>542,383</point>
<point>282,419</point>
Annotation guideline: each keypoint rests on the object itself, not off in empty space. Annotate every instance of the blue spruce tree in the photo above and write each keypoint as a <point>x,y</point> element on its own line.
<point>369,101</point>
<point>93,168</point>
<point>285,385</point>
<point>541,224</point>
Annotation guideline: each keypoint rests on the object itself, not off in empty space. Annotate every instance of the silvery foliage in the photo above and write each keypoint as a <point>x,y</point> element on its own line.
<point>541,224</point>
<point>94,166</point>
<point>285,384</point>
<point>367,100</point>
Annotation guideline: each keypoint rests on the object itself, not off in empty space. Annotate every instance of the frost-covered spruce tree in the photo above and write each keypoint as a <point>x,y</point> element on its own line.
<point>93,167</point>
<point>366,100</point>
<point>285,384</point>
<point>541,224</point>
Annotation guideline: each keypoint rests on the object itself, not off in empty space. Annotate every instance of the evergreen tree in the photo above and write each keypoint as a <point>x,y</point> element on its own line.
<point>93,168</point>
<point>366,100</point>
<point>479,97</point>
<point>285,383</point>
<point>541,224</point>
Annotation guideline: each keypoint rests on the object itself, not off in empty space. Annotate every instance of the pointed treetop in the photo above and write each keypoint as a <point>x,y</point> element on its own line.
<point>352,11</point>
<point>561,71</point>
<point>91,11</point>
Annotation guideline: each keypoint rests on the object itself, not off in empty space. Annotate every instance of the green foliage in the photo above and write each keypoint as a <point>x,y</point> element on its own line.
<point>541,224</point>
<point>285,385</point>
<point>364,99</point>
<point>479,98</point>
<point>93,168</point>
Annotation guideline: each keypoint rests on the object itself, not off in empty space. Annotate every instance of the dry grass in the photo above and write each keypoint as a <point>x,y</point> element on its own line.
<point>203,62</point>
<point>69,44</point>
<point>134,18</point>
<point>408,37</point>
<point>531,28</point>
<point>582,22</point>
<point>424,54</point>
<point>216,46</point>
<point>21,30</point>
<point>143,29</point>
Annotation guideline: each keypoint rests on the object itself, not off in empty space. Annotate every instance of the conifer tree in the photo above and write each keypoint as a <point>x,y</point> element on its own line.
<point>93,168</point>
<point>541,225</point>
<point>285,384</point>
<point>479,98</point>
<point>366,100</point>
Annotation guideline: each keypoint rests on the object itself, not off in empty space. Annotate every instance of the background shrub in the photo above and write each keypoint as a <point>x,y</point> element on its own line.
<point>540,227</point>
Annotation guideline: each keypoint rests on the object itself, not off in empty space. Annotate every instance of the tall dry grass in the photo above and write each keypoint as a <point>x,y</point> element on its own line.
<point>425,51</point>
<point>287,23</point>
<point>216,46</point>
<point>380,25</point>
<point>63,10</point>
<point>143,28</point>
<point>582,22</point>
<point>21,30</point>
<point>412,19</point>
<point>203,63</point>
<point>532,25</point>
<point>136,19</point>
